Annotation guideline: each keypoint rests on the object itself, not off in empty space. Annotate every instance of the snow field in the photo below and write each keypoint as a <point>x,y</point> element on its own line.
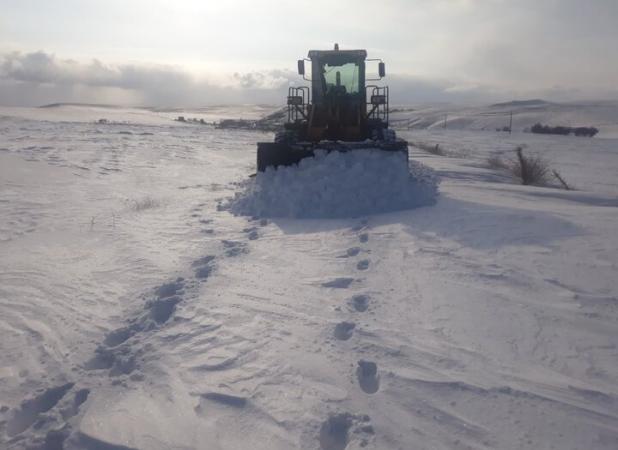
<point>487,320</point>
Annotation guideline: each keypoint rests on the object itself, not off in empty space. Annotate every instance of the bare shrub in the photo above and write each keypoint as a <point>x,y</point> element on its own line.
<point>530,169</point>
<point>577,131</point>
<point>560,178</point>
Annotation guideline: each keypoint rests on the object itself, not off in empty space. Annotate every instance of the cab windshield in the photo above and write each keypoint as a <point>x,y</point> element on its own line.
<point>342,76</point>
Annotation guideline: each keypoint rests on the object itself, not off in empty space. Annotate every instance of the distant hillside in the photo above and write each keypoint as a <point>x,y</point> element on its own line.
<point>520,103</point>
<point>88,105</point>
<point>526,113</point>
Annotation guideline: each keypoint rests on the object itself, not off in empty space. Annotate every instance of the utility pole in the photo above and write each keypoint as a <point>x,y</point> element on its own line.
<point>511,124</point>
<point>445,117</point>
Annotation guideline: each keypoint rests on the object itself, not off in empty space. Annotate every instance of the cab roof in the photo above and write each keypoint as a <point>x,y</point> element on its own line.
<point>352,54</point>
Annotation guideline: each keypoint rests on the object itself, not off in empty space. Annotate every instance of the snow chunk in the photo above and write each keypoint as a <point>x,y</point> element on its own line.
<point>337,185</point>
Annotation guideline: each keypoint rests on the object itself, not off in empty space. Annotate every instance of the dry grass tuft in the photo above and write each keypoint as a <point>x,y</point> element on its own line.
<point>529,169</point>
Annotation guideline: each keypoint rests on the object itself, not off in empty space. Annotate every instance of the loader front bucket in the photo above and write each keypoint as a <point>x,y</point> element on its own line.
<point>274,154</point>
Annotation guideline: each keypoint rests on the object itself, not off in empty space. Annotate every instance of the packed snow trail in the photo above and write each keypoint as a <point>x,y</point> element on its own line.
<point>488,320</point>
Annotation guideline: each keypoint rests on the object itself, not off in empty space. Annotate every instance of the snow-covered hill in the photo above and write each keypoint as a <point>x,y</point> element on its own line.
<point>138,312</point>
<point>603,115</point>
<point>600,114</point>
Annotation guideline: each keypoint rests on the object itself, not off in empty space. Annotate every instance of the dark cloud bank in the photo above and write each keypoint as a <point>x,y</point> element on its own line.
<point>33,79</point>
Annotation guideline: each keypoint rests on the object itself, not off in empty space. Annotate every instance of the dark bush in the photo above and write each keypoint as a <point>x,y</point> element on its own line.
<point>585,131</point>
<point>564,131</point>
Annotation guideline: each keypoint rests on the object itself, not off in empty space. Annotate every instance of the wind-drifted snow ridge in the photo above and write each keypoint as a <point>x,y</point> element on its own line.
<point>338,185</point>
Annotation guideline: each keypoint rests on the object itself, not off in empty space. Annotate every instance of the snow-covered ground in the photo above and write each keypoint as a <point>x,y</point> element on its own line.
<point>138,312</point>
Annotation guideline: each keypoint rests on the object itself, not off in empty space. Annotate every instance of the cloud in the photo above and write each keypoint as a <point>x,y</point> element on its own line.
<point>516,46</point>
<point>42,77</point>
<point>44,68</point>
<point>270,79</point>
<point>32,79</point>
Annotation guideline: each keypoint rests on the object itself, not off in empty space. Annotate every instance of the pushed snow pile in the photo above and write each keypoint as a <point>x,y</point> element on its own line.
<point>337,185</point>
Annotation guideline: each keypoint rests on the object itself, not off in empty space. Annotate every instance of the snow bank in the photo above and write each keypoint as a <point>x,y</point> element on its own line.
<point>337,185</point>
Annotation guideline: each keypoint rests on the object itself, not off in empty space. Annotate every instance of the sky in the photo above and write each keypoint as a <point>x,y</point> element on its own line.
<point>192,53</point>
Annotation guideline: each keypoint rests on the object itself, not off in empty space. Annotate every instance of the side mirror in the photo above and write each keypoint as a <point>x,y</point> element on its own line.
<point>381,69</point>
<point>301,67</point>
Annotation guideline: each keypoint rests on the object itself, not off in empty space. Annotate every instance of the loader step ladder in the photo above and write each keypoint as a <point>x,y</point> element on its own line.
<point>298,102</point>
<point>377,106</point>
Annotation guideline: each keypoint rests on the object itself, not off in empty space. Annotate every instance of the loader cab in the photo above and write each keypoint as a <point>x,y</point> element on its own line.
<point>338,74</point>
<point>337,107</point>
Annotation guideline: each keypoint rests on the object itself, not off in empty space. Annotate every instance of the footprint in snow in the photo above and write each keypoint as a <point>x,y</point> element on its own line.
<point>360,302</point>
<point>343,330</point>
<point>334,433</point>
<point>30,410</point>
<point>226,399</point>
<point>203,267</point>
<point>119,361</point>
<point>210,399</point>
<point>120,335</point>
<point>32,413</point>
<point>252,233</point>
<point>170,289</point>
<point>78,399</point>
<point>339,283</point>
<point>203,261</point>
<point>351,252</point>
<point>168,296</point>
<point>161,309</point>
<point>120,358</point>
<point>367,374</point>
<point>339,429</point>
<point>203,272</point>
<point>363,237</point>
<point>363,264</point>
<point>234,248</point>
